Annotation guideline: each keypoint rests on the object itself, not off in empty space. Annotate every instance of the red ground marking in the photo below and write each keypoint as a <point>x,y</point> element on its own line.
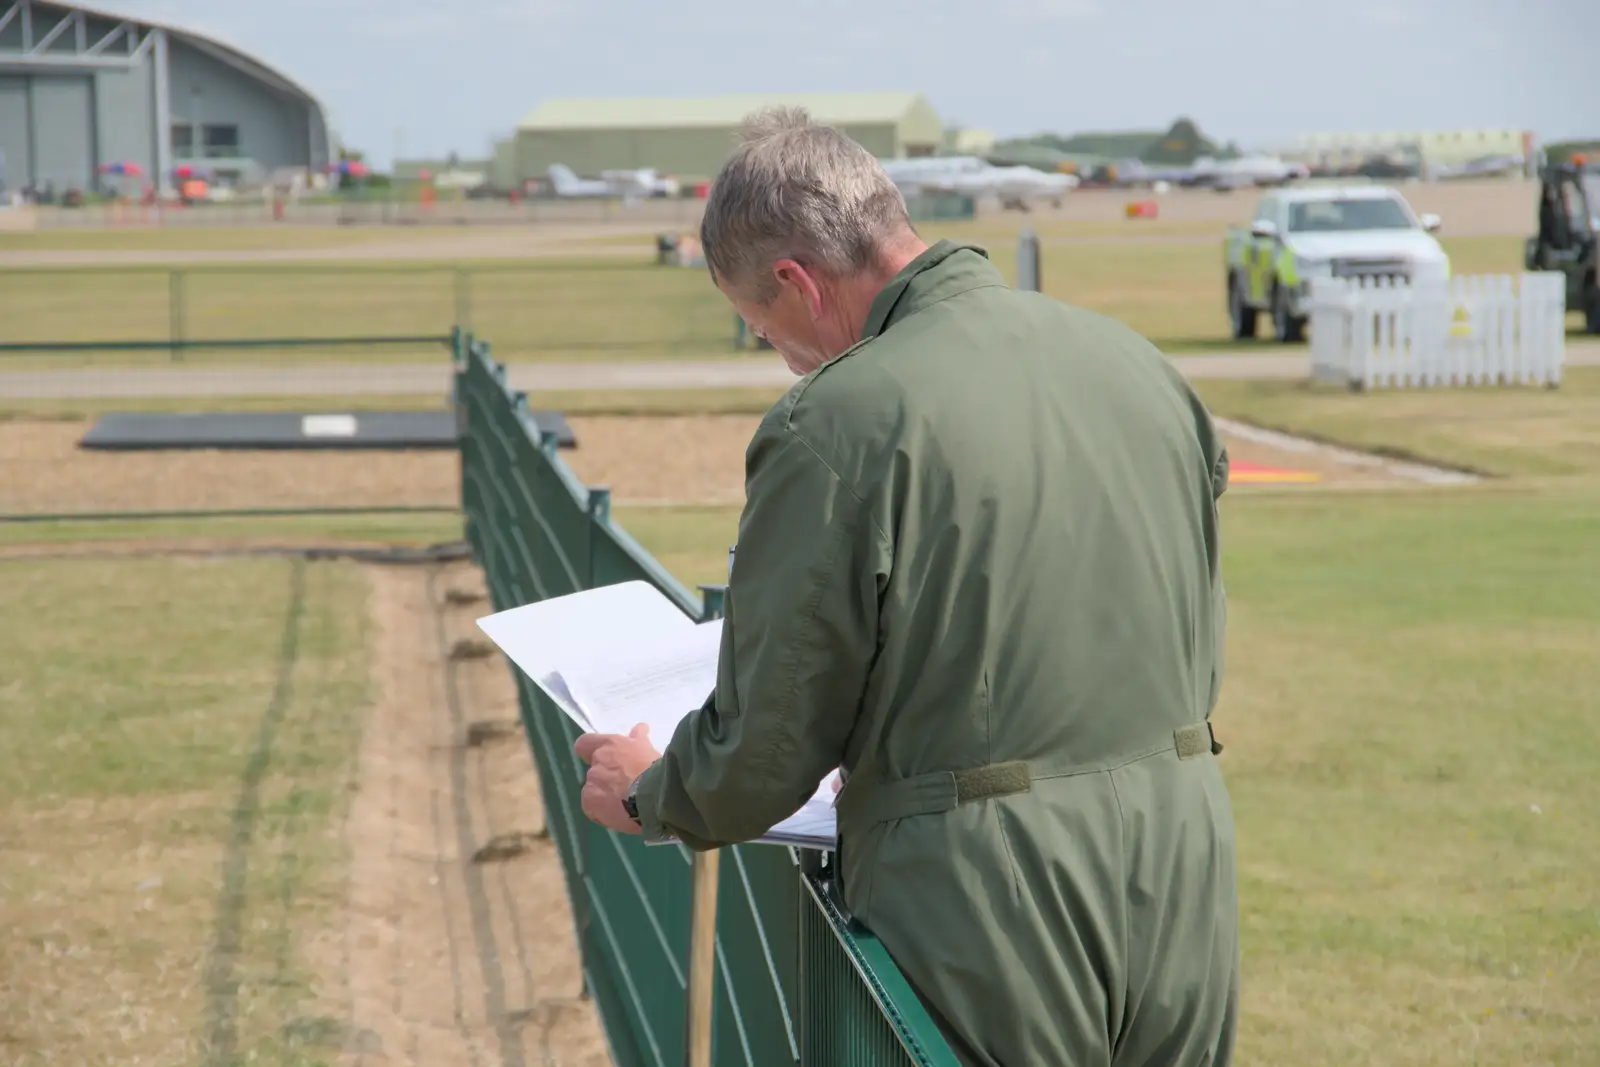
<point>1251,474</point>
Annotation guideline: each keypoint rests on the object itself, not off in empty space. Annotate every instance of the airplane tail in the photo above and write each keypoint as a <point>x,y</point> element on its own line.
<point>561,177</point>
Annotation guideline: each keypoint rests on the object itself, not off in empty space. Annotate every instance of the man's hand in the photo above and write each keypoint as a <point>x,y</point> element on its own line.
<point>614,762</point>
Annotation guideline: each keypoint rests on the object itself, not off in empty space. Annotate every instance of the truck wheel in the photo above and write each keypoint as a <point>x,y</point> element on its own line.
<point>1242,318</point>
<point>1288,329</point>
<point>1591,313</point>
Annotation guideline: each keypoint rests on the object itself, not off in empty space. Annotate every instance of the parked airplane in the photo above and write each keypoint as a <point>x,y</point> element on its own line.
<point>642,182</point>
<point>568,184</point>
<point>612,184</point>
<point>971,176</point>
<point>1483,167</point>
<point>1209,173</point>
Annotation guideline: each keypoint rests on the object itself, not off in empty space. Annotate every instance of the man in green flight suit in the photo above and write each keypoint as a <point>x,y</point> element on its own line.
<point>977,570</point>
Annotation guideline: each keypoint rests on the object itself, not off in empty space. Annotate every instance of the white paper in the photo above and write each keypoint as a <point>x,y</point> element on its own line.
<point>620,655</point>
<point>542,636</point>
<point>656,683</point>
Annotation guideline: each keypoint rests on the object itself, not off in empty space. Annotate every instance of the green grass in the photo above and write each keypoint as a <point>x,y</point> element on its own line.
<point>1410,712</point>
<point>1411,707</point>
<point>1173,293</point>
<point>180,738</point>
<point>1519,433</point>
<point>566,308</point>
<point>535,309</point>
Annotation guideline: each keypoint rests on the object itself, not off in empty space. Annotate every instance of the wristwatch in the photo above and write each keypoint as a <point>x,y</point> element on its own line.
<point>630,803</point>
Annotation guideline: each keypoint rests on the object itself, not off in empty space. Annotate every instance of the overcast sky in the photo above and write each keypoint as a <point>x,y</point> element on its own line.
<point>1255,71</point>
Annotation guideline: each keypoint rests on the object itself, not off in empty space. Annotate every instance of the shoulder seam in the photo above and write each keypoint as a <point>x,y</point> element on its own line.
<point>854,495</point>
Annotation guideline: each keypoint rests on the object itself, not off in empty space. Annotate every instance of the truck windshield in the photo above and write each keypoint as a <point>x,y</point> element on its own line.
<point>1357,213</point>
<point>1591,193</point>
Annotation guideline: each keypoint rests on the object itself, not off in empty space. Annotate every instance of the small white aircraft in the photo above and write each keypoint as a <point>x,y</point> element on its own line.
<point>971,176</point>
<point>642,182</point>
<point>627,185</point>
<point>568,184</point>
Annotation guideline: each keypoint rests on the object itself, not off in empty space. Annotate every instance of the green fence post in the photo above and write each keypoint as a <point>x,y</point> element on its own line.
<point>463,287</point>
<point>176,312</point>
<point>599,507</point>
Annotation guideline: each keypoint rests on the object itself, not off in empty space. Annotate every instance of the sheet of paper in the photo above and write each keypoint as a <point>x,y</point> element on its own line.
<point>542,636</point>
<point>656,682</point>
<point>623,654</point>
<point>555,687</point>
<point>815,825</point>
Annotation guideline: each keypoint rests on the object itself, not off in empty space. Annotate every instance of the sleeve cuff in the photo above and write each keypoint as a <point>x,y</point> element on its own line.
<point>646,793</point>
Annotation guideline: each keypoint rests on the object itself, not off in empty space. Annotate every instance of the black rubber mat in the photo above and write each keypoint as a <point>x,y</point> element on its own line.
<point>394,430</point>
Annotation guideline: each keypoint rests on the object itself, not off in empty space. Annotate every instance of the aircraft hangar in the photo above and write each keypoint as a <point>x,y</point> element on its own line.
<point>85,94</point>
<point>690,138</point>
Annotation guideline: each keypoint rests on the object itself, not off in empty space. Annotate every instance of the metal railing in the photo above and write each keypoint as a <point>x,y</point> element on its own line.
<point>793,982</point>
<point>533,309</point>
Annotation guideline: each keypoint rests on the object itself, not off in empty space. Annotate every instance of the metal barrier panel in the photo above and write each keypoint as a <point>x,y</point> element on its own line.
<point>794,982</point>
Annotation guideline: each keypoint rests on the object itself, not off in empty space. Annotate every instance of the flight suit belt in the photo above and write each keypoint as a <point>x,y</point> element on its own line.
<point>863,803</point>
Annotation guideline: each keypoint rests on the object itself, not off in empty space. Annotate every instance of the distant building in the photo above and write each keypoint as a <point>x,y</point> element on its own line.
<point>964,142</point>
<point>691,138</point>
<point>1432,149</point>
<point>81,90</point>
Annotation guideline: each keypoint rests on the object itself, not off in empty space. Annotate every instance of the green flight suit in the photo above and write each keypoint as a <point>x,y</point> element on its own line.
<point>978,569</point>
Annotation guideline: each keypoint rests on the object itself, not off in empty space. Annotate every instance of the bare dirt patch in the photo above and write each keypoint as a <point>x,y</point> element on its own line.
<point>700,460</point>
<point>643,459</point>
<point>43,471</point>
<point>458,948</point>
<point>694,459</point>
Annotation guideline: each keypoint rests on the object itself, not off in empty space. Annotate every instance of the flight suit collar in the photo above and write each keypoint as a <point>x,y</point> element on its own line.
<point>938,273</point>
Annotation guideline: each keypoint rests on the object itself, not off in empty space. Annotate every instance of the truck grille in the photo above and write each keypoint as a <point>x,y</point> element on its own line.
<point>1397,271</point>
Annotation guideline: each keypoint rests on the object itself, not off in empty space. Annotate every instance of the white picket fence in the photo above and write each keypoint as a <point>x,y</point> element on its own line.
<point>1369,333</point>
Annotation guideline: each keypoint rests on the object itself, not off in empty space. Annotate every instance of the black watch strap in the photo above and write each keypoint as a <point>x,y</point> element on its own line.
<point>630,803</point>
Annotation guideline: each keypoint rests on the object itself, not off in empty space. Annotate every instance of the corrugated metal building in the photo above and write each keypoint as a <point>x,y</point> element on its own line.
<point>81,89</point>
<point>690,138</point>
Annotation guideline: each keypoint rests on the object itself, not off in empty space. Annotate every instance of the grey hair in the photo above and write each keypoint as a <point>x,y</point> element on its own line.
<point>799,190</point>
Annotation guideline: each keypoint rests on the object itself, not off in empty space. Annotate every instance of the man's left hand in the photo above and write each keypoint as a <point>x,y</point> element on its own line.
<point>614,762</point>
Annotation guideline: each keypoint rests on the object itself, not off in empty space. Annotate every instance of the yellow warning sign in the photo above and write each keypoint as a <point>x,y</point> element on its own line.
<point>1461,322</point>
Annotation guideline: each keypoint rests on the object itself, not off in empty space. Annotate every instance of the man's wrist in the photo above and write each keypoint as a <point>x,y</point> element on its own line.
<point>646,810</point>
<point>630,803</point>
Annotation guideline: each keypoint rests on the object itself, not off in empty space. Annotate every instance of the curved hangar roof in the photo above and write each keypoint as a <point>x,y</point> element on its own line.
<point>55,32</point>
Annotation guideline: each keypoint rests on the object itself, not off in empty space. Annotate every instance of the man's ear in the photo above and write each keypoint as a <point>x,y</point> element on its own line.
<point>791,275</point>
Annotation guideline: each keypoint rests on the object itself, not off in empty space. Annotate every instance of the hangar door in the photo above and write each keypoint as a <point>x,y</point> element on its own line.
<point>16,164</point>
<point>63,132</point>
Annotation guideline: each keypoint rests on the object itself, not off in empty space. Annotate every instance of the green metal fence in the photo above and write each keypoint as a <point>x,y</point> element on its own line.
<point>618,305</point>
<point>794,982</point>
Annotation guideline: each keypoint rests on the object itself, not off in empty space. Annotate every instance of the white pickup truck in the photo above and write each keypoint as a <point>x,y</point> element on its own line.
<point>1306,231</point>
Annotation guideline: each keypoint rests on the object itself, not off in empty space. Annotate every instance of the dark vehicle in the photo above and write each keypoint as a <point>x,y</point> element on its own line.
<point>1569,234</point>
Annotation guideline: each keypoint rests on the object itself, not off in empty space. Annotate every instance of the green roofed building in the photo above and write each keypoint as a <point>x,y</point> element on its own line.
<point>690,138</point>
